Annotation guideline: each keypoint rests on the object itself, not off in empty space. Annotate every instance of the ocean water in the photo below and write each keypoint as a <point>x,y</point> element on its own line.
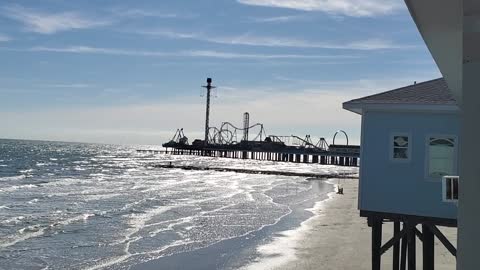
<point>92,206</point>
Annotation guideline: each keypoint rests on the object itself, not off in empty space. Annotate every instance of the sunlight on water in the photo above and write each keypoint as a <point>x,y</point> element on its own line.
<point>110,208</point>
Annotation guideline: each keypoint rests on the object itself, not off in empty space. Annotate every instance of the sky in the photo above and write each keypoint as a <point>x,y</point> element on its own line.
<point>130,72</point>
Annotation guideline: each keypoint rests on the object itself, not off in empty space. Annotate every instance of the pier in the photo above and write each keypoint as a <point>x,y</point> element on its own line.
<point>252,142</point>
<point>340,155</point>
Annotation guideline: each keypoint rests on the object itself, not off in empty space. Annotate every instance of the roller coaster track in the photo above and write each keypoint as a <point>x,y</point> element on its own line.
<point>230,134</point>
<point>299,142</point>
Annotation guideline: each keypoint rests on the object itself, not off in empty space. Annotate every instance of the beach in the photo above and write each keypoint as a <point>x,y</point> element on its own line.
<point>338,238</point>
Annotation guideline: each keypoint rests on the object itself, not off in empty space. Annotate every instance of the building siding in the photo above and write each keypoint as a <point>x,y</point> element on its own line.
<point>402,187</point>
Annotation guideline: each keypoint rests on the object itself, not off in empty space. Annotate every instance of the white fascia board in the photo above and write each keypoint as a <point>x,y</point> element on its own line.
<point>355,108</point>
<point>362,107</point>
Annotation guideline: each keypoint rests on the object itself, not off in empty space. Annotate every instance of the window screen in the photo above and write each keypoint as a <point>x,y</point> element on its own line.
<point>441,156</point>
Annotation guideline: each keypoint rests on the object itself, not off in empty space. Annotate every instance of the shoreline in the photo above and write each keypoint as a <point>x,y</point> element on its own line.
<point>336,237</point>
<point>289,241</point>
<point>239,252</point>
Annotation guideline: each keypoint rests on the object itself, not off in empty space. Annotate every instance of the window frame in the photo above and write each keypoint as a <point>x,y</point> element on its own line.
<point>444,187</point>
<point>427,155</point>
<point>392,147</point>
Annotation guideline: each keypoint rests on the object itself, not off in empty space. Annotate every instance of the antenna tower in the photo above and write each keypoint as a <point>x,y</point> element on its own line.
<point>246,125</point>
<point>209,87</point>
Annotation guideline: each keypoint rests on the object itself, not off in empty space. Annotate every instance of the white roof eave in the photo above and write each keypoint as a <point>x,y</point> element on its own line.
<point>360,108</point>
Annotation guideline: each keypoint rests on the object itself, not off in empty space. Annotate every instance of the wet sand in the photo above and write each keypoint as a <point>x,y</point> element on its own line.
<point>338,238</point>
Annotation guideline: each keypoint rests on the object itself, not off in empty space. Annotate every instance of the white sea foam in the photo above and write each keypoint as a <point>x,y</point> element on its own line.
<point>11,178</point>
<point>13,188</point>
<point>79,218</point>
<point>14,220</point>
<point>137,222</point>
<point>281,249</point>
<point>23,235</point>
<point>33,201</point>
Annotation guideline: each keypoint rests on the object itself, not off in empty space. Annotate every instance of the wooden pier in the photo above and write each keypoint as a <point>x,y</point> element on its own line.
<point>340,155</point>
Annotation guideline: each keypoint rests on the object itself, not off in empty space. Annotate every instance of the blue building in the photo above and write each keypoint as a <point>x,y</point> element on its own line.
<point>409,143</point>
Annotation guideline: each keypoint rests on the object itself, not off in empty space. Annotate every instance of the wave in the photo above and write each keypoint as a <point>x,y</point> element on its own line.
<point>33,231</point>
<point>10,178</point>
<point>33,201</point>
<point>13,188</point>
<point>15,220</point>
<point>282,248</point>
<point>22,235</point>
<point>79,218</point>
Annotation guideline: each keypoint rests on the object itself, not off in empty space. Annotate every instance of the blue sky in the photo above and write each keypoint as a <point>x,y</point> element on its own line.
<point>130,71</point>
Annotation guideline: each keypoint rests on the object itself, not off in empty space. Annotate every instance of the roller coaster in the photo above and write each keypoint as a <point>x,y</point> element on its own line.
<point>230,135</point>
<point>252,142</point>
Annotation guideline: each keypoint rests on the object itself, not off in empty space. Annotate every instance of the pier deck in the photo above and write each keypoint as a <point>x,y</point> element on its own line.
<point>340,155</point>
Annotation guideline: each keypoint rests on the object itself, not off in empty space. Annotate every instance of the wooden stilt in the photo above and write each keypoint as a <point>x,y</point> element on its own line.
<point>412,259</point>
<point>376,243</point>
<point>396,246</point>
<point>403,258</point>
<point>428,248</point>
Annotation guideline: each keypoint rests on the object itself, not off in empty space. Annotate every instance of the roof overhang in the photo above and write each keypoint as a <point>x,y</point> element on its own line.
<point>451,30</point>
<point>441,25</point>
<point>360,108</point>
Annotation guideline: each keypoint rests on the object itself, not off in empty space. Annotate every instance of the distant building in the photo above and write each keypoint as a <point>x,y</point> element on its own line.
<point>409,142</point>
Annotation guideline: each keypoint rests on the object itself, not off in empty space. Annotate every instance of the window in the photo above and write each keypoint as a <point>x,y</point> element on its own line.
<point>400,147</point>
<point>441,156</point>
<point>450,188</point>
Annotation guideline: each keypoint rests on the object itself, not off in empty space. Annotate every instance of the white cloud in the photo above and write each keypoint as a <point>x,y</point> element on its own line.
<point>266,41</point>
<point>193,53</point>
<point>4,38</point>
<point>354,8</point>
<point>228,55</point>
<point>279,19</point>
<point>142,13</point>
<point>69,85</point>
<point>49,23</point>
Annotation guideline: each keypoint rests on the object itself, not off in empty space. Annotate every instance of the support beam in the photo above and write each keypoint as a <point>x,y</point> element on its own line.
<point>428,248</point>
<point>468,205</point>
<point>394,240</point>
<point>412,244</point>
<point>396,246</point>
<point>418,233</point>
<point>403,256</point>
<point>376,242</point>
<point>443,239</point>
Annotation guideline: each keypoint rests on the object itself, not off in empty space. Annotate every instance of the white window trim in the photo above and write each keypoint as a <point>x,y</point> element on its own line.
<point>427,155</point>
<point>391,147</point>
<point>444,192</point>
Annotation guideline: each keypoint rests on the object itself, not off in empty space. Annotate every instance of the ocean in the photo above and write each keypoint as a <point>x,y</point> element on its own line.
<point>94,206</point>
